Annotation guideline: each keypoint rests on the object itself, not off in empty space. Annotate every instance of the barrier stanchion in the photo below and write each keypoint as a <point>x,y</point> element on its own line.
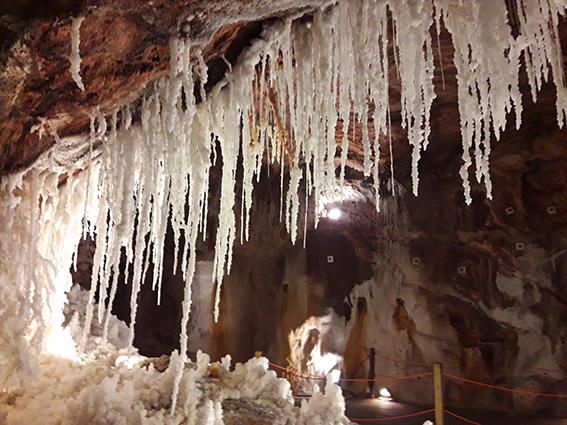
<point>438,393</point>
<point>289,373</point>
<point>371,372</point>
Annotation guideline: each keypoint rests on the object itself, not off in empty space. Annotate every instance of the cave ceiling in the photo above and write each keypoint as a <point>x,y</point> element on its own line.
<point>125,46</point>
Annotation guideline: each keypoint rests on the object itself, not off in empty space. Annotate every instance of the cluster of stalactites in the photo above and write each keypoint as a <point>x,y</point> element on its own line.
<point>308,88</point>
<point>318,83</point>
<point>151,176</point>
<point>292,100</point>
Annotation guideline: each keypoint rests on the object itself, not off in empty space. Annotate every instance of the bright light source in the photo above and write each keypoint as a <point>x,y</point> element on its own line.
<point>128,361</point>
<point>59,342</point>
<point>385,394</point>
<point>334,214</point>
<point>335,376</point>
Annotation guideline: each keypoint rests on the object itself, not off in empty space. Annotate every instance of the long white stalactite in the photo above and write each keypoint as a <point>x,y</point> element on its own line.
<point>283,102</point>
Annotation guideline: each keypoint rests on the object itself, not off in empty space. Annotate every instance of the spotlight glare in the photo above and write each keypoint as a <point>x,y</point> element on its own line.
<point>128,361</point>
<point>385,394</point>
<point>334,214</point>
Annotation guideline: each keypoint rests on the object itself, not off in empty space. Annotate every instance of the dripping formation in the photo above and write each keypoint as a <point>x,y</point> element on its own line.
<point>75,57</point>
<point>293,98</point>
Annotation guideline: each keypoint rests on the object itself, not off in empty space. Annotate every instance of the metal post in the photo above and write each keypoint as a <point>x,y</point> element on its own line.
<point>371,372</point>
<point>438,393</point>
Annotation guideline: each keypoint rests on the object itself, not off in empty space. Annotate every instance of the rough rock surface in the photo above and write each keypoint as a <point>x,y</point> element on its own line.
<point>124,47</point>
<point>484,287</point>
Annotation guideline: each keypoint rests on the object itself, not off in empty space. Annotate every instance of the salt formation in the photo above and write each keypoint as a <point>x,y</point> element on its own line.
<point>286,98</point>
<point>313,349</point>
<point>43,220</point>
<point>75,57</point>
<point>108,391</point>
<point>293,95</point>
<point>109,385</point>
<point>415,65</point>
<point>110,330</point>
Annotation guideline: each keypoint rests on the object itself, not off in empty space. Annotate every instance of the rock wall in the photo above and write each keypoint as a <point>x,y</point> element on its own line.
<point>384,281</point>
<point>421,300</point>
<point>485,318</point>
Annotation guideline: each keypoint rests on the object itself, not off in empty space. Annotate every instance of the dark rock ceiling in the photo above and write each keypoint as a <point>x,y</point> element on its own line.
<point>124,46</point>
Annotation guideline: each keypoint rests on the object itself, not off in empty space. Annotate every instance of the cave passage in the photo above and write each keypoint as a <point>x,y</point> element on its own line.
<point>301,212</point>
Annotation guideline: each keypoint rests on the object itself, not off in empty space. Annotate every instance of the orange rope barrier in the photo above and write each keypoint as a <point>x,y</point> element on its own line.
<point>461,418</point>
<point>287,370</point>
<point>416,365</point>
<point>389,378</point>
<point>376,379</point>
<point>502,388</point>
<point>394,418</point>
<point>275,366</point>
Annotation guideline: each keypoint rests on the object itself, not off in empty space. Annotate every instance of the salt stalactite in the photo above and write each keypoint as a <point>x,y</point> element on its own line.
<point>43,219</point>
<point>227,120</point>
<point>75,57</point>
<point>199,146</point>
<point>375,55</point>
<point>487,62</point>
<point>438,34</point>
<point>253,145</point>
<point>95,190</point>
<point>539,37</point>
<point>344,76</point>
<point>289,76</point>
<point>413,22</point>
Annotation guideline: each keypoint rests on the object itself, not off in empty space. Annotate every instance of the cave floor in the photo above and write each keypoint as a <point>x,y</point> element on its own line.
<point>374,408</point>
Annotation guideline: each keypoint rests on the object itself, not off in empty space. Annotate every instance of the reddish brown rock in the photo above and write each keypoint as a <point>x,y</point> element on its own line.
<point>124,47</point>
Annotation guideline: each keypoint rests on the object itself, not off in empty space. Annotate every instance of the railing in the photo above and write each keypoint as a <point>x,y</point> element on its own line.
<point>291,374</point>
<point>438,409</point>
